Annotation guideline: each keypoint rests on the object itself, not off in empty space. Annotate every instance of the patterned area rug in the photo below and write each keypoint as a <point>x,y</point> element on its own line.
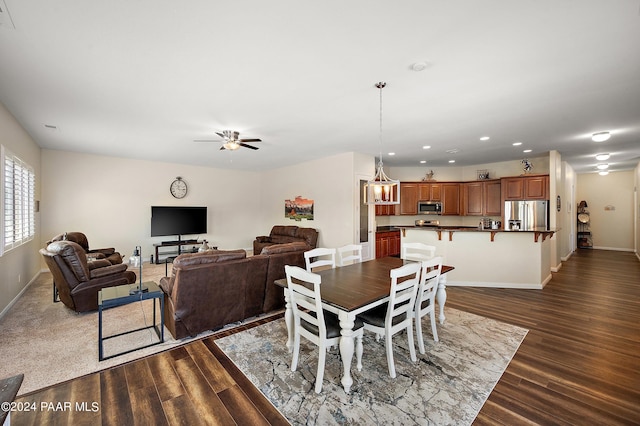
<point>447,386</point>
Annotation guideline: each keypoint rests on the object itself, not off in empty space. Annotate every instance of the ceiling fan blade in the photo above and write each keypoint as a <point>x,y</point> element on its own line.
<point>222,148</point>
<point>220,134</point>
<point>248,146</point>
<point>250,140</point>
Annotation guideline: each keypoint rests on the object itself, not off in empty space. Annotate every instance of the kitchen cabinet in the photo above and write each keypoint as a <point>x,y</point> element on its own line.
<point>472,199</point>
<point>430,192</point>
<point>525,188</point>
<point>492,198</point>
<point>450,199</point>
<point>409,198</point>
<point>386,210</point>
<point>387,243</point>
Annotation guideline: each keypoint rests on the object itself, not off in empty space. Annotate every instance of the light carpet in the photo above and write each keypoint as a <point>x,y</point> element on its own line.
<point>447,386</point>
<point>51,344</point>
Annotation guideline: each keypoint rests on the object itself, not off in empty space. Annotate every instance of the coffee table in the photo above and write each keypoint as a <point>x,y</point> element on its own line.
<point>112,297</point>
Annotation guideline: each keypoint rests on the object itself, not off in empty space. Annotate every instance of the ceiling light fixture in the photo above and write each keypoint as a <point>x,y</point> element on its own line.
<point>517,143</point>
<point>382,190</point>
<point>426,147</point>
<point>602,157</point>
<point>423,161</point>
<point>485,138</point>
<point>600,136</point>
<point>452,161</point>
<point>232,145</point>
<point>527,151</point>
<point>602,166</point>
<point>603,173</point>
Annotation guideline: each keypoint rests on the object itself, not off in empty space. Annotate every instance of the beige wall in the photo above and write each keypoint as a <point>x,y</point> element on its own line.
<point>636,194</point>
<point>20,265</point>
<point>610,201</point>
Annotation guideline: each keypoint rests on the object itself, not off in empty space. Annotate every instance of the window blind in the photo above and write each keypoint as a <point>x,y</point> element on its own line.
<point>18,202</point>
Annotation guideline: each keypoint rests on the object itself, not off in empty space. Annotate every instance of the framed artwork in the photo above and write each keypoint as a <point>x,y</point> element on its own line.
<point>299,208</point>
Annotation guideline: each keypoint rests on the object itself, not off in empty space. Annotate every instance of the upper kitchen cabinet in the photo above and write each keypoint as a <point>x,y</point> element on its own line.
<point>450,199</point>
<point>430,191</point>
<point>526,188</point>
<point>386,210</point>
<point>481,198</point>
<point>409,198</point>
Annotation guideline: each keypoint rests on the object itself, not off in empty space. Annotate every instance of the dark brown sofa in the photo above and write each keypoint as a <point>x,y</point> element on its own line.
<point>79,238</point>
<point>286,234</point>
<point>78,281</point>
<point>209,290</point>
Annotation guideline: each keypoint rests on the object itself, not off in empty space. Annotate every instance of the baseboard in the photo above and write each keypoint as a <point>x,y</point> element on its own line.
<point>565,258</point>
<point>556,268</point>
<point>15,299</point>
<point>612,248</point>
<point>524,286</point>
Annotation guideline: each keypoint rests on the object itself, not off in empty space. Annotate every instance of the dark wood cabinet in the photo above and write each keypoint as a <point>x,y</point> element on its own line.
<point>387,244</point>
<point>430,192</point>
<point>450,199</point>
<point>472,199</point>
<point>526,188</point>
<point>492,198</point>
<point>386,210</point>
<point>409,198</point>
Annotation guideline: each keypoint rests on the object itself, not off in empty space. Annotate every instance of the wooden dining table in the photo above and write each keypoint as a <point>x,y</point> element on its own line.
<point>350,290</point>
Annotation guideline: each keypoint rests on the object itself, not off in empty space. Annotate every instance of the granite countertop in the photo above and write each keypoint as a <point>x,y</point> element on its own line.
<point>387,228</point>
<point>458,228</point>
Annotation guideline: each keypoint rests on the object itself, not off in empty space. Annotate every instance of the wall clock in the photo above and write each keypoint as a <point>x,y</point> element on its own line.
<point>178,188</point>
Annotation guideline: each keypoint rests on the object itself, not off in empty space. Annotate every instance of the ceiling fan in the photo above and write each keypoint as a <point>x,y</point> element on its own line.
<point>231,142</point>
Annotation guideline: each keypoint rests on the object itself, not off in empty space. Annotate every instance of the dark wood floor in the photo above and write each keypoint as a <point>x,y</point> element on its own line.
<point>579,364</point>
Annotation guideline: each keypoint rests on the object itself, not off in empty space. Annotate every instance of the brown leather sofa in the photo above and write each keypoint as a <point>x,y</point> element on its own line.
<point>110,253</point>
<point>78,280</point>
<point>209,290</point>
<point>286,234</point>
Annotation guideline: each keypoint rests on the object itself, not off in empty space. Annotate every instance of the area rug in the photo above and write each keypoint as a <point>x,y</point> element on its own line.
<point>447,386</point>
<point>51,344</point>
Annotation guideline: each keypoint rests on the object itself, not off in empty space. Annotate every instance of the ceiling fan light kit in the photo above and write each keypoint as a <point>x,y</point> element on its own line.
<point>382,190</point>
<point>231,142</point>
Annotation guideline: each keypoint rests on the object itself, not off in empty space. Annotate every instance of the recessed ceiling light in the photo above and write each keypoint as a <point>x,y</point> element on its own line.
<point>426,147</point>
<point>485,138</point>
<point>527,150</point>
<point>603,173</point>
<point>602,157</point>
<point>423,161</point>
<point>517,143</point>
<point>600,136</point>
<point>452,161</point>
<point>602,166</point>
<point>392,153</point>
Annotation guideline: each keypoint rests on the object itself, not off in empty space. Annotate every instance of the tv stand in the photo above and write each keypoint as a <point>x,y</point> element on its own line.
<point>174,252</point>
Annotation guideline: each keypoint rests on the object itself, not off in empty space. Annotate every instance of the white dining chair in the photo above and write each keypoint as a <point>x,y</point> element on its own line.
<point>396,315</point>
<point>320,257</point>
<point>314,323</point>
<point>349,254</point>
<point>417,251</point>
<point>426,298</point>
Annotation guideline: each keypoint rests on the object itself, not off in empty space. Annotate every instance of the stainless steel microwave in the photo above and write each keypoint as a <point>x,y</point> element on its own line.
<point>429,207</point>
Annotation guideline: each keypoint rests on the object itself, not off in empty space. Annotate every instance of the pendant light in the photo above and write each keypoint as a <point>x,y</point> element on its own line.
<point>382,190</point>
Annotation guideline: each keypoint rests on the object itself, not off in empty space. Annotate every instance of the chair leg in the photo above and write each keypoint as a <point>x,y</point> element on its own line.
<point>389,348</point>
<point>419,333</point>
<point>322,354</point>
<point>433,325</point>
<point>359,351</point>
<point>296,350</point>
<point>412,346</point>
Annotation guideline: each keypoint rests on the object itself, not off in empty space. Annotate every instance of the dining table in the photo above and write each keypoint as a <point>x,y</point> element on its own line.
<point>350,290</point>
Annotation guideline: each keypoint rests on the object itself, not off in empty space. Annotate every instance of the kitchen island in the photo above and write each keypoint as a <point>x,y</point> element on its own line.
<point>489,257</point>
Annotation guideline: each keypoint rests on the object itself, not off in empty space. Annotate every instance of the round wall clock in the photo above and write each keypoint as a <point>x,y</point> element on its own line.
<point>178,188</point>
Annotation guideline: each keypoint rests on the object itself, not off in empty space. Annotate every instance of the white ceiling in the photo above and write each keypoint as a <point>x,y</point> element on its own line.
<point>144,78</point>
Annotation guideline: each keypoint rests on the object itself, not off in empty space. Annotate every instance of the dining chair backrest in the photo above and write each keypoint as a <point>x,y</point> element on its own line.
<point>402,296</point>
<point>306,303</point>
<point>319,257</point>
<point>426,298</point>
<point>351,253</point>
<point>417,251</point>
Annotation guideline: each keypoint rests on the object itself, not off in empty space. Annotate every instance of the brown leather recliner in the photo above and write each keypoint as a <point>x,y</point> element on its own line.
<point>78,281</point>
<point>79,238</point>
<point>286,234</point>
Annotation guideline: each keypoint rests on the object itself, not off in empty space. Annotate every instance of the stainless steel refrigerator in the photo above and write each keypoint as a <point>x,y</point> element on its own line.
<point>526,215</point>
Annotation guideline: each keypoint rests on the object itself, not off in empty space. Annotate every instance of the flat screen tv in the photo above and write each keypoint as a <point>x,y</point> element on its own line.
<point>169,220</point>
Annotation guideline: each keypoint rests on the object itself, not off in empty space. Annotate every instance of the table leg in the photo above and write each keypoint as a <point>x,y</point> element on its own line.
<point>346,347</point>
<point>100,352</point>
<point>441,296</point>
<point>288,319</point>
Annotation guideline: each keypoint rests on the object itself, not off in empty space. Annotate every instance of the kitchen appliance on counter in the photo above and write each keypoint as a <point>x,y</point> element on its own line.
<point>526,215</point>
<point>429,207</point>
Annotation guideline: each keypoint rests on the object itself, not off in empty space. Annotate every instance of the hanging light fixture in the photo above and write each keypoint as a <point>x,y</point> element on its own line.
<point>382,190</point>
